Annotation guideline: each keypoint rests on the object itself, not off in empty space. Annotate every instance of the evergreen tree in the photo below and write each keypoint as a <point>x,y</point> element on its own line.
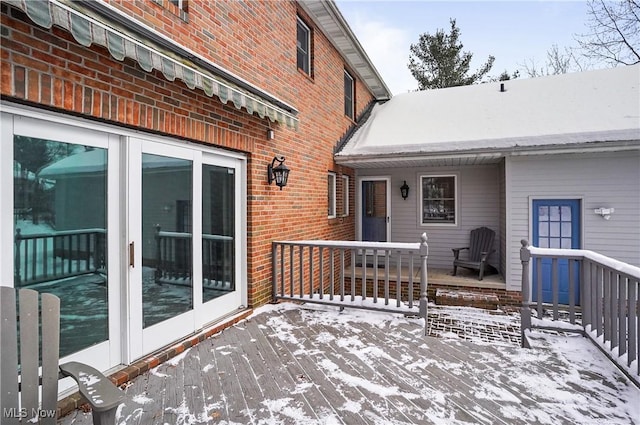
<point>437,61</point>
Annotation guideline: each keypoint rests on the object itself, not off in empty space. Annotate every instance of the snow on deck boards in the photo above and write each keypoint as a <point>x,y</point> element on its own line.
<point>292,364</point>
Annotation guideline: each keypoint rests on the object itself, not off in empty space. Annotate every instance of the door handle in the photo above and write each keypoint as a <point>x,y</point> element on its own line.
<point>132,254</point>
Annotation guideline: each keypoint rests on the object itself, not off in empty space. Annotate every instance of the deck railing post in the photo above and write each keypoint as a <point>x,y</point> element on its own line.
<point>159,263</point>
<point>16,270</point>
<point>525,311</point>
<point>274,273</point>
<point>424,253</point>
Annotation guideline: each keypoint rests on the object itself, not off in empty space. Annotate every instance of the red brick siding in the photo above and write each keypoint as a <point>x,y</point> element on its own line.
<point>255,40</point>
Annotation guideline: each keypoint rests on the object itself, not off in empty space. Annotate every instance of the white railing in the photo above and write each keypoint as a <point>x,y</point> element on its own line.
<point>607,310</point>
<point>368,275</point>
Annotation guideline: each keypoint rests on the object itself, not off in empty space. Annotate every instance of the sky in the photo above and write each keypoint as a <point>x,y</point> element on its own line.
<point>515,32</point>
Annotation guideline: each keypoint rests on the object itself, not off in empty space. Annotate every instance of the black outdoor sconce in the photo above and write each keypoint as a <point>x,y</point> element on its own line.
<point>404,190</point>
<point>278,173</point>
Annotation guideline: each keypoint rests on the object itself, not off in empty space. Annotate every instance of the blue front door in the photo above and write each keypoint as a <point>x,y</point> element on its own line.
<point>556,224</point>
<point>374,211</point>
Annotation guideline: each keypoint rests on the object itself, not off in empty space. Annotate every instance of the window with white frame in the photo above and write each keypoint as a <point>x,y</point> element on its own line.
<point>438,194</point>
<point>180,4</point>
<point>303,43</point>
<point>349,95</point>
<point>331,195</point>
<point>345,196</point>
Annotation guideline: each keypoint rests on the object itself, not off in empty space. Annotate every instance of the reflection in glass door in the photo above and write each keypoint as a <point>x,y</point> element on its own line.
<point>218,232</point>
<point>60,231</point>
<point>183,242</point>
<point>167,271</point>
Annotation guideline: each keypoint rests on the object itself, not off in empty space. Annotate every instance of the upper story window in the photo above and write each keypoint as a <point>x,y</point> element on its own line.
<point>177,7</point>
<point>438,194</point>
<point>180,4</point>
<point>331,194</point>
<point>303,42</point>
<point>349,95</point>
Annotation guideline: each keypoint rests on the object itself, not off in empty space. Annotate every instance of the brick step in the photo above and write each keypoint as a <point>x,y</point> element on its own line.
<point>456,297</point>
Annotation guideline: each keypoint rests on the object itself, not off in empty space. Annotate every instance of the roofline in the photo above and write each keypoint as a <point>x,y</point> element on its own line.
<point>361,161</point>
<point>317,9</point>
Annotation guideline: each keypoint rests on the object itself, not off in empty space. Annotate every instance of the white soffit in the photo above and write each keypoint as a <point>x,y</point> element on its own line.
<point>330,21</point>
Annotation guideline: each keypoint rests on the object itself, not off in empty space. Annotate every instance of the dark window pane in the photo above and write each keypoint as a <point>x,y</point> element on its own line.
<point>218,231</point>
<point>166,235</point>
<point>302,43</point>
<point>348,95</point>
<point>60,216</point>
<point>438,203</point>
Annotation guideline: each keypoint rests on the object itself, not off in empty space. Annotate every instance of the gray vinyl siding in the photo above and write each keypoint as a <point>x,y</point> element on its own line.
<point>478,205</point>
<point>609,180</point>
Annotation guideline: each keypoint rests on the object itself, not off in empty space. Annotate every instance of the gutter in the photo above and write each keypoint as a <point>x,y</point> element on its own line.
<point>589,147</point>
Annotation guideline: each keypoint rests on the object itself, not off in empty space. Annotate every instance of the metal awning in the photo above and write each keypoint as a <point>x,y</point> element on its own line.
<point>88,28</point>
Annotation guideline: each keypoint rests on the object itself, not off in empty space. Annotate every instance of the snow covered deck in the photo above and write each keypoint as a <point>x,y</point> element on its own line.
<point>292,364</point>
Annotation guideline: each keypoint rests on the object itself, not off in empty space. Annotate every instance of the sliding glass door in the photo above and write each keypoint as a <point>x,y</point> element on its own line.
<point>64,226</point>
<point>183,241</point>
<point>141,238</point>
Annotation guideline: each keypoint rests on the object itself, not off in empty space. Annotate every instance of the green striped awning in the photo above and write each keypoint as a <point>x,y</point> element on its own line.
<point>87,29</point>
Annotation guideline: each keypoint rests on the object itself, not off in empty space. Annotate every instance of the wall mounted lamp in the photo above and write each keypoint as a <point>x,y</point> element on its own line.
<point>604,212</point>
<point>278,173</point>
<point>271,134</point>
<point>404,190</point>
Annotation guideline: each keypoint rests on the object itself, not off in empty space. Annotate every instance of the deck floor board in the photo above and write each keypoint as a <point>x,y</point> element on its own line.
<point>312,365</point>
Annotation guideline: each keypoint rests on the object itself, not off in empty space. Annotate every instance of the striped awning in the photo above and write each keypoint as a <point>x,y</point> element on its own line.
<point>88,29</point>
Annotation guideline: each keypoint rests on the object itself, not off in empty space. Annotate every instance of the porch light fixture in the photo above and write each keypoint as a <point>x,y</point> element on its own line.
<point>271,134</point>
<point>404,190</point>
<point>278,173</point>
<point>604,212</point>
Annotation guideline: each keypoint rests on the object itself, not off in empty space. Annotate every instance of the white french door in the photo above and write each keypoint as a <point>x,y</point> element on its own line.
<point>62,224</point>
<point>143,240</point>
<point>184,244</point>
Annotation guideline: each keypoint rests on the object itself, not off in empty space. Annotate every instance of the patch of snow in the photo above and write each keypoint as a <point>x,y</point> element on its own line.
<point>141,399</point>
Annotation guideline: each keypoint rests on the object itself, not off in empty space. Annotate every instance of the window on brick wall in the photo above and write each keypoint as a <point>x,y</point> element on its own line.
<point>180,4</point>
<point>349,95</point>
<point>331,195</point>
<point>344,210</point>
<point>303,43</point>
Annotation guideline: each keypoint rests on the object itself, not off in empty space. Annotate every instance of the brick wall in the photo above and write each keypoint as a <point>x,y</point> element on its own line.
<point>256,41</point>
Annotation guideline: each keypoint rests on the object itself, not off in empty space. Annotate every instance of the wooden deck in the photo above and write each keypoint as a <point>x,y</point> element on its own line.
<point>293,364</point>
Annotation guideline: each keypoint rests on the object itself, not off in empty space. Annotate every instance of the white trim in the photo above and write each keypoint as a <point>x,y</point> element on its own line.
<point>568,197</point>
<point>331,194</point>
<point>508,233</point>
<point>308,57</point>
<point>6,197</point>
<point>456,199</point>
<point>345,195</point>
<point>387,180</point>
<point>56,117</point>
<point>353,95</point>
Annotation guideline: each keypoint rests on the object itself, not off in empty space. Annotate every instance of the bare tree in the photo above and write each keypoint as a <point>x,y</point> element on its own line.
<point>559,61</point>
<point>614,32</point>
